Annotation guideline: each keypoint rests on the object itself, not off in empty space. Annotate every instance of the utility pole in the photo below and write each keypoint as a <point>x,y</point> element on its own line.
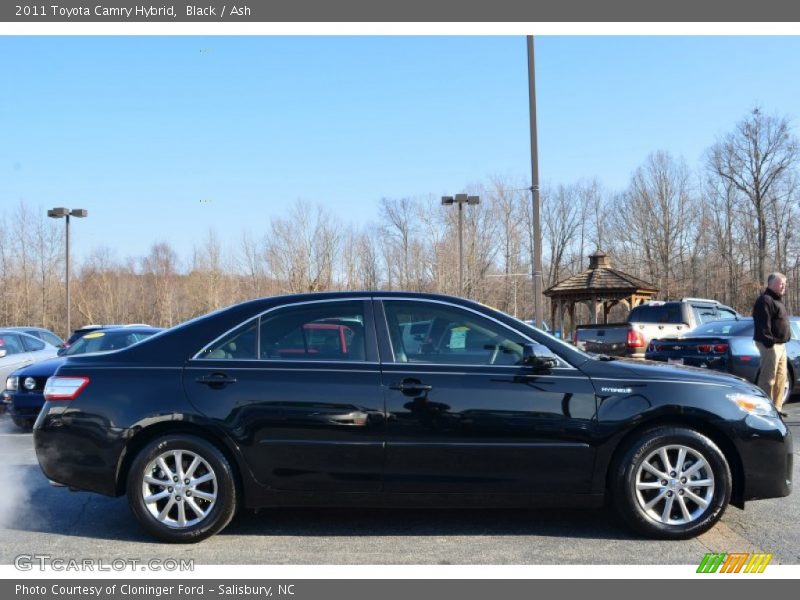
<point>536,247</point>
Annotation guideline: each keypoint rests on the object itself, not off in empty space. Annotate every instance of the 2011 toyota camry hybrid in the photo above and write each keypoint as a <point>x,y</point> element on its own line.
<point>392,399</point>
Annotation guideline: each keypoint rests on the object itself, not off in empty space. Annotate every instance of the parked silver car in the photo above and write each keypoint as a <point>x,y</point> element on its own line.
<point>19,349</point>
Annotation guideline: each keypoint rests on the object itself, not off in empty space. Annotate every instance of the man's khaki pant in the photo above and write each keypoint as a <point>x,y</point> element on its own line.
<point>772,378</point>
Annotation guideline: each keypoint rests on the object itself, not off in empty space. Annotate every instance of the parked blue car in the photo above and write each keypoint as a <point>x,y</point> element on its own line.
<point>728,346</point>
<point>23,397</point>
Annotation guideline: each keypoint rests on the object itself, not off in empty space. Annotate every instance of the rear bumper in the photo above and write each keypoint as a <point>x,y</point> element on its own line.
<point>80,453</point>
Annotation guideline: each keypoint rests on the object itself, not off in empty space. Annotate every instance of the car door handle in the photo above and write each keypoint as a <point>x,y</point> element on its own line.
<point>410,386</point>
<point>216,380</point>
<point>352,419</point>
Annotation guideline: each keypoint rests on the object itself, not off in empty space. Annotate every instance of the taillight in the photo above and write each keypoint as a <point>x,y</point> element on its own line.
<point>704,348</point>
<point>635,339</point>
<point>64,388</point>
<point>720,348</point>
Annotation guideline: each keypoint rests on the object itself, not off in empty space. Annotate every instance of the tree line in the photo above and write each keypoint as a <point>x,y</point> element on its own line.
<point>715,230</point>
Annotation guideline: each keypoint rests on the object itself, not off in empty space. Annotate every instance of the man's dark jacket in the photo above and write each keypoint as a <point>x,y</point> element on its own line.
<point>770,320</point>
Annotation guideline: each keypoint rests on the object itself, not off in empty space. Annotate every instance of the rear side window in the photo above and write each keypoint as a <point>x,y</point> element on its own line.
<point>32,344</point>
<point>664,313</point>
<point>324,331</point>
<point>704,314</point>
<point>240,344</point>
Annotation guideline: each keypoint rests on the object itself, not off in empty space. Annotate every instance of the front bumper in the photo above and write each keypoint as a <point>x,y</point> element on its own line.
<point>23,405</point>
<point>765,449</point>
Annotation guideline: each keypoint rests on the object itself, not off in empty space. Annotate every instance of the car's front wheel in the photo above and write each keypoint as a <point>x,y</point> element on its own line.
<point>24,424</point>
<point>181,489</point>
<point>672,483</point>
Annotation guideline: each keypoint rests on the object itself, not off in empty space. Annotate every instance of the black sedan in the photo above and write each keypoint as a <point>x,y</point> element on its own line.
<point>318,400</point>
<point>23,397</point>
<point>727,346</point>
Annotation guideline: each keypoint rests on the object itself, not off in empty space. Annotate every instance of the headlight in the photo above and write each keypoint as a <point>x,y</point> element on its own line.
<point>12,384</point>
<point>755,405</point>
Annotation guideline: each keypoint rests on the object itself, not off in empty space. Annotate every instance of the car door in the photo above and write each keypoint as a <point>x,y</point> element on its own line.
<point>298,388</point>
<point>465,415</point>
<point>14,354</point>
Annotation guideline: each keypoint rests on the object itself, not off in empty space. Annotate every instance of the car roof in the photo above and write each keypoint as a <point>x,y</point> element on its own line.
<point>7,330</point>
<point>129,329</point>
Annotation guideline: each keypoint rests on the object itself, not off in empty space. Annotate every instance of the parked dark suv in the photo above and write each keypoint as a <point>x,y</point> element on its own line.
<point>413,399</point>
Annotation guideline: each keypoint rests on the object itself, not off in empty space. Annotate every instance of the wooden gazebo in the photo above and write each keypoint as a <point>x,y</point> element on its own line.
<point>601,288</point>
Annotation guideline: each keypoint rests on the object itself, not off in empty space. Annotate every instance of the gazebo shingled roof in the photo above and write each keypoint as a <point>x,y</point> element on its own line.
<point>599,285</point>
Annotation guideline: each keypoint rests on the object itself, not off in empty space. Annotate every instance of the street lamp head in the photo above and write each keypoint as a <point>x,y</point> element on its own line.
<point>79,212</point>
<point>461,198</point>
<point>447,200</point>
<point>58,213</point>
<point>473,199</point>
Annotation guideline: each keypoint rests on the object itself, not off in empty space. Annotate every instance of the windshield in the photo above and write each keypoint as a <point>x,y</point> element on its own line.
<point>103,341</point>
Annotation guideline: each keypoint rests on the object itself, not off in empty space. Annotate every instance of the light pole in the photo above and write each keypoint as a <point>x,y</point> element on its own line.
<point>461,200</point>
<point>536,247</point>
<point>58,213</point>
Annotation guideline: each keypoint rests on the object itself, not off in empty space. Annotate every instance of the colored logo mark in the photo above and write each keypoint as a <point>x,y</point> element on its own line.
<point>736,562</point>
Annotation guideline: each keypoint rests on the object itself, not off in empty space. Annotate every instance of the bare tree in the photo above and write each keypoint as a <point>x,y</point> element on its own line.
<point>755,157</point>
<point>303,248</point>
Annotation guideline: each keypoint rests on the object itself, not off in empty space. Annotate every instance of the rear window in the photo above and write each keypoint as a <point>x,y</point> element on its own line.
<point>725,328</point>
<point>665,313</point>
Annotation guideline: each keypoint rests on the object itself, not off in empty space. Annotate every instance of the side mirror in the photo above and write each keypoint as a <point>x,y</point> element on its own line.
<point>60,351</point>
<point>3,352</point>
<point>539,363</point>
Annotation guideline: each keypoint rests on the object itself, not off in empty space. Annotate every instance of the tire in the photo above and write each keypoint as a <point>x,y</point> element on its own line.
<point>177,512</point>
<point>24,424</point>
<point>669,506</point>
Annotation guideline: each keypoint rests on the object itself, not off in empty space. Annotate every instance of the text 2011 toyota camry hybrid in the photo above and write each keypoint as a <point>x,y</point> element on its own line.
<point>397,399</point>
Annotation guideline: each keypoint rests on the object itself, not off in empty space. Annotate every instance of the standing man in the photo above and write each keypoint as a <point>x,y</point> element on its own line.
<point>771,332</point>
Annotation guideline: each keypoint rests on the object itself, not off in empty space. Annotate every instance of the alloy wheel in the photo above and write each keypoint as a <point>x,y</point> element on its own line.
<point>674,485</point>
<point>179,488</point>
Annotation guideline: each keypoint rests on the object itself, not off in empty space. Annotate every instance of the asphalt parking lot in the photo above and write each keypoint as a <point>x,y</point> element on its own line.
<point>38,518</point>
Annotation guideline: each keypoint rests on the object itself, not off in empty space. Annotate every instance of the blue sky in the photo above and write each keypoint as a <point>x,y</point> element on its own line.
<point>162,138</point>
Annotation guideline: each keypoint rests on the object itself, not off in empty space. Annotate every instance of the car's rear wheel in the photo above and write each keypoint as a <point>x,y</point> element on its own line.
<point>181,489</point>
<point>672,483</point>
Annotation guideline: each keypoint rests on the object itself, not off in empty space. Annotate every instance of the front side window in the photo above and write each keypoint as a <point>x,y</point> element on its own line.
<point>425,332</point>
